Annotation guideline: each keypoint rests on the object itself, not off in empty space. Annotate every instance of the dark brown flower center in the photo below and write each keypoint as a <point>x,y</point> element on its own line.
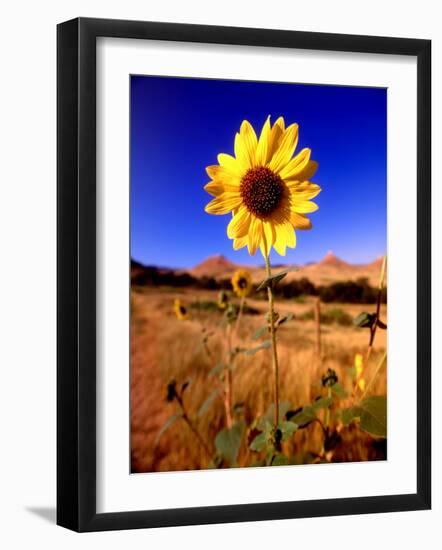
<point>261,190</point>
<point>242,283</point>
<point>183,310</point>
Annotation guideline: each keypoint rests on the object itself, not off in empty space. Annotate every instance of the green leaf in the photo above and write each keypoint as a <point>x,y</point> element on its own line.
<point>228,442</point>
<point>288,428</point>
<point>265,345</point>
<point>338,390</point>
<point>285,319</point>
<point>349,414</point>
<point>274,279</point>
<point>169,422</point>
<point>321,403</point>
<point>260,442</point>
<point>260,332</point>
<point>280,460</point>
<point>364,320</point>
<point>304,417</point>
<point>207,403</point>
<point>269,416</point>
<point>372,413</point>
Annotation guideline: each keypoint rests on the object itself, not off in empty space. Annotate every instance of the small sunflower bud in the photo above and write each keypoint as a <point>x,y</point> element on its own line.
<point>329,379</point>
<point>171,391</point>
<point>223,299</point>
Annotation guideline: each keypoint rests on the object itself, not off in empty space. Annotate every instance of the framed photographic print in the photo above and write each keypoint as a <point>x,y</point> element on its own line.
<point>234,206</point>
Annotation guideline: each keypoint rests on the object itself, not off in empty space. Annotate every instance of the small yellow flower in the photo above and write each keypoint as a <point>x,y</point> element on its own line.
<point>361,384</point>
<point>359,360</point>
<point>267,191</point>
<point>242,283</point>
<point>180,310</point>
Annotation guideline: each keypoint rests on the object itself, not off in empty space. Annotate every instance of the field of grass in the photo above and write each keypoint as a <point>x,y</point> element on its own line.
<point>164,348</point>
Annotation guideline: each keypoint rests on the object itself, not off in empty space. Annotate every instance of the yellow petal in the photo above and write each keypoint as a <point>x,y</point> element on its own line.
<point>308,172</point>
<point>230,164</point>
<point>223,174</point>
<point>261,150</point>
<point>303,193</point>
<point>300,186</point>
<point>241,242</point>
<point>304,207</point>
<point>285,236</point>
<point>295,167</point>
<point>268,237</point>
<point>217,188</point>
<point>286,149</point>
<point>255,234</point>
<point>275,137</point>
<point>299,221</point>
<point>239,224</point>
<point>280,123</point>
<point>214,188</point>
<point>246,144</point>
<point>224,203</point>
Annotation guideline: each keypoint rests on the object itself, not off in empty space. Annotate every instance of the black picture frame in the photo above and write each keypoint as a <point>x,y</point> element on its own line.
<point>76,273</point>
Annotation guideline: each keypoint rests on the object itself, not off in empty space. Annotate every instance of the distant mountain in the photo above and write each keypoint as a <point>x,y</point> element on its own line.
<point>330,260</point>
<point>332,269</point>
<point>214,266</point>
<point>377,264</point>
<point>328,270</point>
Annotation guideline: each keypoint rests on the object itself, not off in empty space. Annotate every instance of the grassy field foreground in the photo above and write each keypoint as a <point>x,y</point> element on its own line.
<point>163,349</point>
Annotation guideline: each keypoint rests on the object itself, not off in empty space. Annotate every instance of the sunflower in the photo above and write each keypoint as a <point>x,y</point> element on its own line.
<point>242,283</point>
<point>267,191</point>
<point>180,310</point>
<point>223,299</point>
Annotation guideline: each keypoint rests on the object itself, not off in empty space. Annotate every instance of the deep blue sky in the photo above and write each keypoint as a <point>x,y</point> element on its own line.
<point>179,125</point>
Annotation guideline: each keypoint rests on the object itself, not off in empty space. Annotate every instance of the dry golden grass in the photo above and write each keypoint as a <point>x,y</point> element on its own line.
<point>163,348</point>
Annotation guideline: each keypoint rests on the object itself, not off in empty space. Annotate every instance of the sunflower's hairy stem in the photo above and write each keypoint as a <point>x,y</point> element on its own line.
<point>327,410</point>
<point>229,397</point>
<point>240,312</point>
<point>228,391</point>
<point>195,432</point>
<point>273,338</point>
<point>318,329</point>
<point>373,328</point>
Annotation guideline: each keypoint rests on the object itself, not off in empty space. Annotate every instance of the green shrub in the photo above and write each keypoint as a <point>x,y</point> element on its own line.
<point>332,316</point>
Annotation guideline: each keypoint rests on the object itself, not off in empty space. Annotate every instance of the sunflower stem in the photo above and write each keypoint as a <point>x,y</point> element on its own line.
<point>192,427</point>
<point>318,329</point>
<point>228,391</point>
<point>275,363</point>
<point>327,410</point>
<point>373,327</point>
<point>373,378</point>
<point>240,312</point>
